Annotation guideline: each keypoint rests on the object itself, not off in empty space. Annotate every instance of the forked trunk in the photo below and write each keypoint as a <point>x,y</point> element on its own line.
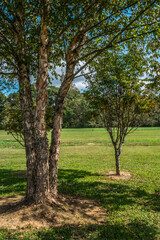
<point>36,142</point>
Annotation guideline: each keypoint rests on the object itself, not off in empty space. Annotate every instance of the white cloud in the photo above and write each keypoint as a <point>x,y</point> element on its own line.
<point>81,85</point>
<point>80,82</point>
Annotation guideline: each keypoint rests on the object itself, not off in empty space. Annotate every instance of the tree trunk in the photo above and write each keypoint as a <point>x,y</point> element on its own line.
<point>117,158</point>
<point>42,153</point>
<point>25,97</point>
<point>56,132</point>
<point>36,142</point>
<point>71,58</point>
<point>28,127</point>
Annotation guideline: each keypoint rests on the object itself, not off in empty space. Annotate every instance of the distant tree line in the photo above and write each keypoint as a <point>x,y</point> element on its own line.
<point>78,112</point>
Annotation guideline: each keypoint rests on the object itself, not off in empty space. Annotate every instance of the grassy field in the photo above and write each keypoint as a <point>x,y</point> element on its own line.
<point>132,206</point>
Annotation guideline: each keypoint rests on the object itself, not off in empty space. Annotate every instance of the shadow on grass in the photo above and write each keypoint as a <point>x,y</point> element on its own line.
<point>111,195</point>
<point>72,182</point>
<point>12,182</point>
<point>131,231</point>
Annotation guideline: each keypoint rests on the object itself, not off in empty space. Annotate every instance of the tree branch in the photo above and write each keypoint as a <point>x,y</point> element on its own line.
<point>17,139</point>
<point>93,2</point>
<point>110,44</point>
<point>111,15</point>
<point>6,73</point>
<point>9,44</point>
<point>85,74</point>
<point>8,59</point>
<point>9,21</point>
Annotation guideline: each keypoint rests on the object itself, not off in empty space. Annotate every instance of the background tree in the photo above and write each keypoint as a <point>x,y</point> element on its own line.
<point>120,95</point>
<point>13,122</point>
<point>2,104</point>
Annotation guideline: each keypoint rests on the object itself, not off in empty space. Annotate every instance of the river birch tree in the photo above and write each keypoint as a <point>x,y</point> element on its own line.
<point>34,34</point>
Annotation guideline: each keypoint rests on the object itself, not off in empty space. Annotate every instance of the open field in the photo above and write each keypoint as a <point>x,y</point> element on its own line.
<point>132,205</point>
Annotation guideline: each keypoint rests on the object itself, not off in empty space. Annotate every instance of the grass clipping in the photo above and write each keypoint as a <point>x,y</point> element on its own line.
<point>67,210</point>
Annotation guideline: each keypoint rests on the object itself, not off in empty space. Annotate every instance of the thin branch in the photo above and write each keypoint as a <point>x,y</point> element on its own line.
<point>131,130</point>
<point>7,73</point>
<point>105,33</point>
<point>76,18</point>
<point>8,59</point>
<point>9,44</point>
<point>9,21</point>
<point>85,74</point>
<point>19,141</point>
<point>143,25</point>
<point>138,35</point>
<point>110,44</point>
<point>111,15</point>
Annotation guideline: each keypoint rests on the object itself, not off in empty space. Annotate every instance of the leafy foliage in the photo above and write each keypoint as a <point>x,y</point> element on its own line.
<point>2,104</point>
<point>13,118</point>
<point>119,94</point>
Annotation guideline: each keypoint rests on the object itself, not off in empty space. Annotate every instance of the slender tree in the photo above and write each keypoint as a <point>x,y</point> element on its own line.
<point>2,106</point>
<point>119,94</point>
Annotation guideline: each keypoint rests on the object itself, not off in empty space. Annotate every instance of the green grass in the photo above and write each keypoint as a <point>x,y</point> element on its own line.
<point>132,206</point>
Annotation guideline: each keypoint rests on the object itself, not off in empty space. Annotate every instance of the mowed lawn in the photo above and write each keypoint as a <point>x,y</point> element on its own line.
<point>132,206</point>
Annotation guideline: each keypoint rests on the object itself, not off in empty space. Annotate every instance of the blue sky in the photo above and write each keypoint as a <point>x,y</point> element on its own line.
<point>78,82</point>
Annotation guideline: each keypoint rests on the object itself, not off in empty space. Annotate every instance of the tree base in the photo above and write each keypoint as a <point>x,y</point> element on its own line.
<point>113,175</point>
<point>64,210</point>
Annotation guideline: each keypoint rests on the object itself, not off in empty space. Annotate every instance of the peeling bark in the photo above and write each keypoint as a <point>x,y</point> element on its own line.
<point>25,98</point>
<point>34,126</point>
<point>42,165</point>
<point>42,168</point>
<point>28,128</point>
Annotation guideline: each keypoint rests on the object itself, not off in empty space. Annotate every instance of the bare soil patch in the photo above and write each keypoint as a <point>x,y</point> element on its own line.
<point>112,175</point>
<point>93,144</point>
<point>66,210</point>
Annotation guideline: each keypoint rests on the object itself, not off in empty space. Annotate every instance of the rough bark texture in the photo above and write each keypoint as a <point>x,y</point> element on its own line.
<point>117,164</point>
<point>28,128</point>
<point>25,98</point>
<point>42,165</point>
<point>117,158</point>
<point>42,168</point>
<point>34,126</point>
